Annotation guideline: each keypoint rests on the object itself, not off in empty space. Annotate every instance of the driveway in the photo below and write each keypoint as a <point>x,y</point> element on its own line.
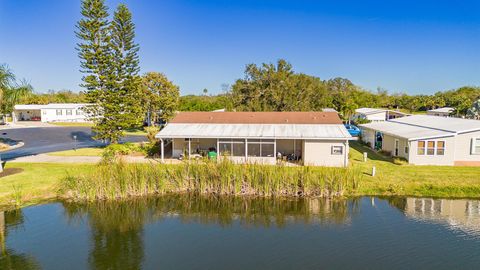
<point>50,139</point>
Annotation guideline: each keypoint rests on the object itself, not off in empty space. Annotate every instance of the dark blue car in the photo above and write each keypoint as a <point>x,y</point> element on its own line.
<point>353,130</point>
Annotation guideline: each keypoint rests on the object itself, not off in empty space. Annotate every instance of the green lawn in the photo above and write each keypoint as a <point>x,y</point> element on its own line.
<point>89,152</point>
<point>135,132</point>
<point>411,180</point>
<point>39,181</point>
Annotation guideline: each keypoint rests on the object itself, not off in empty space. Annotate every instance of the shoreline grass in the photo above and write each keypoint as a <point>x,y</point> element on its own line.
<point>39,182</point>
<point>119,180</point>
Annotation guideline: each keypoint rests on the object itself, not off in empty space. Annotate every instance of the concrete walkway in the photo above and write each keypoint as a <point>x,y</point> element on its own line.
<point>44,158</point>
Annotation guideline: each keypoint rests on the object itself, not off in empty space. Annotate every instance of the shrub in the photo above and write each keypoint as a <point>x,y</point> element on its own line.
<point>114,150</point>
<point>151,132</point>
<point>400,161</point>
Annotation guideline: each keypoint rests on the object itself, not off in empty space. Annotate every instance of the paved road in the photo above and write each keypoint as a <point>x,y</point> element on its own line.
<point>50,139</point>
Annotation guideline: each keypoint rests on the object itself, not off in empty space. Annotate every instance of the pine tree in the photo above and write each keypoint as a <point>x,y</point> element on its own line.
<point>109,58</point>
<point>96,61</point>
<point>125,54</point>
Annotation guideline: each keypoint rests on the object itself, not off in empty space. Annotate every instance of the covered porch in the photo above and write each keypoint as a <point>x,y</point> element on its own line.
<point>238,150</point>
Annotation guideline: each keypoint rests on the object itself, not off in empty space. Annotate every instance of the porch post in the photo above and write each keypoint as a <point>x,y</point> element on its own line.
<point>189,147</point>
<point>218,150</point>
<point>246,149</point>
<point>162,149</point>
<point>295,148</point>
<point>275,148</point>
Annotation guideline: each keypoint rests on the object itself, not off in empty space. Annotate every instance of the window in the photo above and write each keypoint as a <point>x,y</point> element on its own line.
<point>421,148</point>
<point>430,148</point>
<point>239,149</point>
<point>261,148</point>
<point>440,148</point>
<point>59,112</point>
<point>232,147</point>
<point>406,150</point>
<point>337,150</point>
<point>68,112</point>
<point>267,150</point>
<point>79,112</point>
<point>253,149</point>
<point>476,146</point>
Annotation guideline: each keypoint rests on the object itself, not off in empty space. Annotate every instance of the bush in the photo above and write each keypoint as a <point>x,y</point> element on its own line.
<point>114,150</point>
<point>400,161</point>
<point>151,132</point>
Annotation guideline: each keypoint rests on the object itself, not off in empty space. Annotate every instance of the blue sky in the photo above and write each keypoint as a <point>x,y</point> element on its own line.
<point>414,46</point>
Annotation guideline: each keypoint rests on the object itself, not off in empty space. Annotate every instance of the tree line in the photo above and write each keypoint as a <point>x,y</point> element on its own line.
<point>276,87</point>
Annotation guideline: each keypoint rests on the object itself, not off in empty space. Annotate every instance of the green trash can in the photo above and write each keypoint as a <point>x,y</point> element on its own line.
<point>212,155</point>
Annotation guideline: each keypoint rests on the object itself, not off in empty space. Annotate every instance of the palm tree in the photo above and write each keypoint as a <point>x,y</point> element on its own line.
<point>6,80</point>
<point>11,92</point>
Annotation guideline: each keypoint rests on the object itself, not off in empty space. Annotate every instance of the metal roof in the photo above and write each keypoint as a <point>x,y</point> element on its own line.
<point>271,131</point>
<point>451,124</point>
<point>405,131</point>
<point>369,110</point>
<point>443,110</point>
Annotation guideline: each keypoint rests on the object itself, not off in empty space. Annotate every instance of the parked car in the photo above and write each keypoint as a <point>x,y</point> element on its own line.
<point>353,130</point>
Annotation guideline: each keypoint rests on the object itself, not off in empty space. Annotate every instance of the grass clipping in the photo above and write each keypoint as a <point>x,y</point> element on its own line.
<point>120,180</point>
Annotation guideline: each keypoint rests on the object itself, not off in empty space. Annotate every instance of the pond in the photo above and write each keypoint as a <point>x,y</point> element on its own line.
<point>192,232</point>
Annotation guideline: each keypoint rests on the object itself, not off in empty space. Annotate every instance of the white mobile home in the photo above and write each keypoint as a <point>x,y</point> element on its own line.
<point>376,115</point>
<point>54,112</point>
<point>427,140</point>
<point>445,111</point>
<point>313,138</point>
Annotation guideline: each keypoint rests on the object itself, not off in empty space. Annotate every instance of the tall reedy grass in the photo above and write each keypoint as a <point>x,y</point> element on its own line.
<point>121,180</point>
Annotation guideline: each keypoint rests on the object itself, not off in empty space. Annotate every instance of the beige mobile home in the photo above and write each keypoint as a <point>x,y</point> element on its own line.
<point>427,140</point>
<point>310,138</point>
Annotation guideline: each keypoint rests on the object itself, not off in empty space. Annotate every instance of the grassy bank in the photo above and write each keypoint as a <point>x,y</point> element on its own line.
<point>38,182</point>
<point>120,180</point>
<point>411,180</point>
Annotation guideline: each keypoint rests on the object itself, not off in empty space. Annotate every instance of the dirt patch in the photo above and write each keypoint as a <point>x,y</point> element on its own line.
<point>10,171</point>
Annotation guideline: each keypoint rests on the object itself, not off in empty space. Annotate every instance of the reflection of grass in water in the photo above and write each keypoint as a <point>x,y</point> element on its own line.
<point>120,180</point>
<point>9,259</point>
<point>128,215</point>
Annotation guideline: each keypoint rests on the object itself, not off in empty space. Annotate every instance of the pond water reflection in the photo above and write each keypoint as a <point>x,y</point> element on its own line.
<point>193,232</point>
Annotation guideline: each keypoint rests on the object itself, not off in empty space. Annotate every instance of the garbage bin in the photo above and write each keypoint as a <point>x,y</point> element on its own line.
<point>212,155</point>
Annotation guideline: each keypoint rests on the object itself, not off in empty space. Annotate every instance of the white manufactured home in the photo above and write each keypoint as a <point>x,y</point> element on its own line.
<point>376,115</point>
<point>309,138</point>
<point>427,140</point>
<point>445,111</point>
<point>54,112</point>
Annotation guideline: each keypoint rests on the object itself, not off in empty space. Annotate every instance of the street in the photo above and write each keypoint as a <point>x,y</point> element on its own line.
<point>50,139</point>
